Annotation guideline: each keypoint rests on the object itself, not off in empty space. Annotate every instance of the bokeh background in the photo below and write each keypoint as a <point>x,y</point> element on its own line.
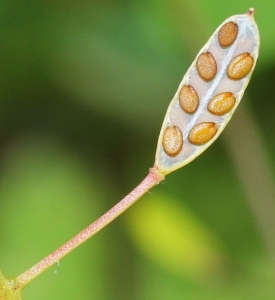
<point>84,86</point>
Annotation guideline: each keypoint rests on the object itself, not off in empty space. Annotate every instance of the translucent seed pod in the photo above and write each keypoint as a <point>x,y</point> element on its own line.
<point>209,93</point>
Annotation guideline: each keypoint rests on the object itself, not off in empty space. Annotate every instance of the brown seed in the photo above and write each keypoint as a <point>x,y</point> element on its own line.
<point>202,133</point>
<point>206,66</point>
<point>240,66</point>
<point>172,141</point>
<point>189,99</point>
<point>228,34</point>
<point>221,103</point>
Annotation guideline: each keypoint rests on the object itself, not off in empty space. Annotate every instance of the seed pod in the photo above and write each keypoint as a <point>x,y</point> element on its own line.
<point>209,93</point>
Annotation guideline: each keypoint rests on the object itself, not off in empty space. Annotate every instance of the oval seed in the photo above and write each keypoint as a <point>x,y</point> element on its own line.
<point>240,66</point>
<point>221,103</point>
<point>206,66</point>
<point>172,141</point>
<point>202,133</point>
<point>227,34</point>
<point>189,99</point>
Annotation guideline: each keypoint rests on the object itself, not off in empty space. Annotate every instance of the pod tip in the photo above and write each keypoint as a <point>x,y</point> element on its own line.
<point>250,12</point>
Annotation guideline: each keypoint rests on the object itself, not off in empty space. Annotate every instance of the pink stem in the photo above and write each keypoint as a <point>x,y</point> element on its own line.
<point>153,178</point>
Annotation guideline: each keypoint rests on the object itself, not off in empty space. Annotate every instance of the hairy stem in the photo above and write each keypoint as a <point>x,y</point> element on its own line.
<point>152,179</point>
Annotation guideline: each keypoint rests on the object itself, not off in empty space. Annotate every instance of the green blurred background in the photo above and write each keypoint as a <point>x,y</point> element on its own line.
<point>84,86</point>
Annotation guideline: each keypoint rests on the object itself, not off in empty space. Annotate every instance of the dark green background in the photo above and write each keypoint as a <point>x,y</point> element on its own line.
<point>84,86</point>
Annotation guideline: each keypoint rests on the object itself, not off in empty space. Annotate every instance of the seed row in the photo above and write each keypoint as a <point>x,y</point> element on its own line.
<point>219,105</point>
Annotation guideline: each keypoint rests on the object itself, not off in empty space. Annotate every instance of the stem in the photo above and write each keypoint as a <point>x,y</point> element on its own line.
<point>152,179</point>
